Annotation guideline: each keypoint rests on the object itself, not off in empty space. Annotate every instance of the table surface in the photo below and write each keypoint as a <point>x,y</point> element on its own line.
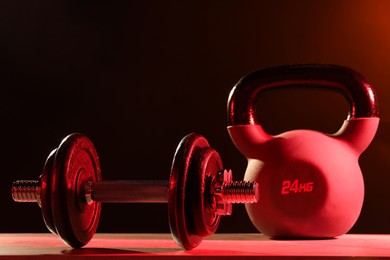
<point>238,246</point>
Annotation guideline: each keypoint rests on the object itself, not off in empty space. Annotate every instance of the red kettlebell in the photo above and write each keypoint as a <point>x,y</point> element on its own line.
<point>311,185</point>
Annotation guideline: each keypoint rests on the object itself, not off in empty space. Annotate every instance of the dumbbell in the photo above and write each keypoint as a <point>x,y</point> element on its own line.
<point>70,191</point>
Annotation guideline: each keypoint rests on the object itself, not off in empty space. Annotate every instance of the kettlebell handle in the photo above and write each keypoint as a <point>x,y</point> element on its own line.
<point>352,85</point>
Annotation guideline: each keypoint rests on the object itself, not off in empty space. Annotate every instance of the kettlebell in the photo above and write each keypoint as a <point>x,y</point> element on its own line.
<point>311,185</point>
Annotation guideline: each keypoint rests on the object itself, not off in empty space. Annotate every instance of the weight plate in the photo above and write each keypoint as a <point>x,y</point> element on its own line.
<point>189,220</point>
<point>208,163</point>
<point>45,180</point>
<point>76,162</point>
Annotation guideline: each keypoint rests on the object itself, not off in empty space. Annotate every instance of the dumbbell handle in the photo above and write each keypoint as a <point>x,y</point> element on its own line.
<point>128,191</point>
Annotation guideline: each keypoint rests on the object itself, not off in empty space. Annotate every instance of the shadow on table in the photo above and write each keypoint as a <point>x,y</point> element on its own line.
<point>112,251</point>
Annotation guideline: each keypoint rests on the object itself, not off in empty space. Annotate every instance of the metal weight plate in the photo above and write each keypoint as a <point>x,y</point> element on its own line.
<point>45,204</point>
<point>76,162</point>
<point>189,208</point>
<point>207,163</point>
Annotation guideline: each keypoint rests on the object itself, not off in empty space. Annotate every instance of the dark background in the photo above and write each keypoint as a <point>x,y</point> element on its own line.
<point>136,76</point>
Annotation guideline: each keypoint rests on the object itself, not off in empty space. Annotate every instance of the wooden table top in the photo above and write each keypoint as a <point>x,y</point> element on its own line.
<point>238,246</point>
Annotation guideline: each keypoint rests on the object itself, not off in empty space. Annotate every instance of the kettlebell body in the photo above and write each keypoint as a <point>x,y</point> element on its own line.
<point>311,185</point>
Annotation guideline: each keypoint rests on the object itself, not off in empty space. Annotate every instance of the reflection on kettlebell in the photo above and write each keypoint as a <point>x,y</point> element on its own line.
<point>311,185</point>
